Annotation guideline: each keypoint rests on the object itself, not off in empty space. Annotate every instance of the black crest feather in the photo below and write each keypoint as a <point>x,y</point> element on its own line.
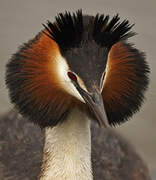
<point>108,33</point>
<point>69,29</point>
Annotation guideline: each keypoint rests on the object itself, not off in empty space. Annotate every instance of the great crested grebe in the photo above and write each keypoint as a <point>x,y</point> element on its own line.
<point>78,68</point>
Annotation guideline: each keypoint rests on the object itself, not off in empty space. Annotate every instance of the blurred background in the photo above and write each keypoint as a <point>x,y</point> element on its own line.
<point>21,20</point>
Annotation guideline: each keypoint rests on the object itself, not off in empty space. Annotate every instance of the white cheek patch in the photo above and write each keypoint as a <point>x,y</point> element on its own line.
<point>62,70</point>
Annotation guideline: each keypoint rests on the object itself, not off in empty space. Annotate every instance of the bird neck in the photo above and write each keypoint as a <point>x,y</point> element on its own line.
<point>67,150</point>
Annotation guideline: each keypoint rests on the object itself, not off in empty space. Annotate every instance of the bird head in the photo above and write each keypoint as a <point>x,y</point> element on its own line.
<point>82,61</point>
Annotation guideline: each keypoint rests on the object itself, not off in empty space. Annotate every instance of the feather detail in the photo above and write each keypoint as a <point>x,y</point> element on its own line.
<point>125,83</point>
<point>33,83</point>
<point>106,33</point>
<point>69,30</point>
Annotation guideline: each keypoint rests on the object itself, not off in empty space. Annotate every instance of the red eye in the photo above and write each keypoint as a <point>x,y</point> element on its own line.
<point>72,76</point>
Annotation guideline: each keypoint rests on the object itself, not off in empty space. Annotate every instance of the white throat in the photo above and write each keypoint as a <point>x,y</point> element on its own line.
<point>67,150</point>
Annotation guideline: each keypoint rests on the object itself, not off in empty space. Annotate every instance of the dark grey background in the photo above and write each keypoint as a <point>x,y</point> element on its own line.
<point>20,20</point>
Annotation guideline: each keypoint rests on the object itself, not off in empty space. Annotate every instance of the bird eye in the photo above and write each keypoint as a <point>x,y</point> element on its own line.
<point>72,76</point>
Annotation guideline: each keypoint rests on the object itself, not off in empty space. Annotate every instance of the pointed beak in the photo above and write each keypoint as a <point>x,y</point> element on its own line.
<point>95,102</point>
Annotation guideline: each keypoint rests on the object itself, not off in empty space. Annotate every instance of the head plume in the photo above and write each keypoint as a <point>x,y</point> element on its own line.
<point>70,30</point>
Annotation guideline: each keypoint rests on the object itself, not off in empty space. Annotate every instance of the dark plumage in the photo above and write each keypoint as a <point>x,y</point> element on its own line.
<point>67,30</point>
<point>72,30</point>
<point>21,148</point>
<point>108,33</point>
<point>131,77</point>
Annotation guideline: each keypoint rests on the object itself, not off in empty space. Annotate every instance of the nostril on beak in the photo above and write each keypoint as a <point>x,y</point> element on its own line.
<point>95,96</point>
